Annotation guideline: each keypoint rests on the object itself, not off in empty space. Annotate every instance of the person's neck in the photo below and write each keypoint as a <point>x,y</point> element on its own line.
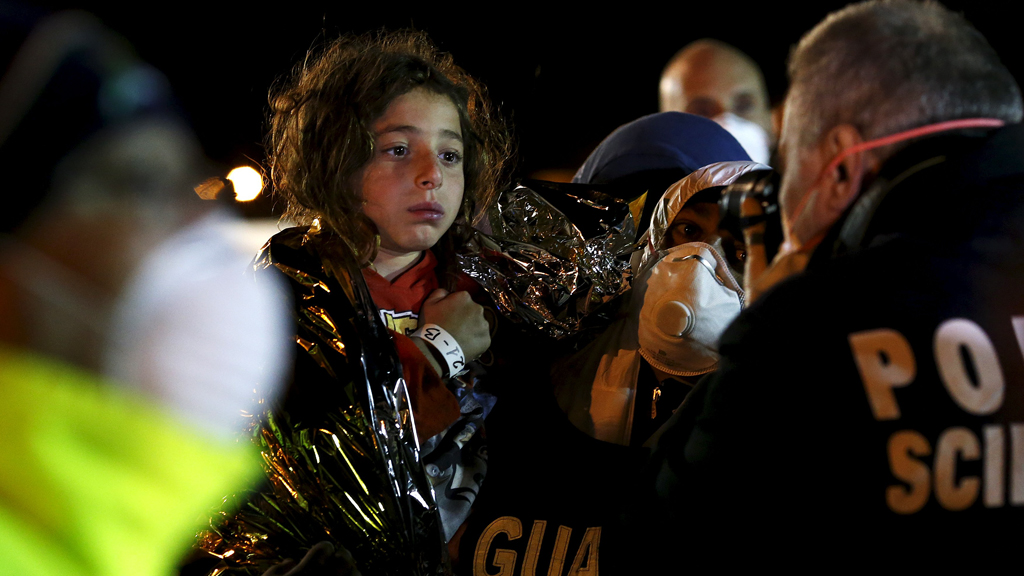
<point>391,265</point>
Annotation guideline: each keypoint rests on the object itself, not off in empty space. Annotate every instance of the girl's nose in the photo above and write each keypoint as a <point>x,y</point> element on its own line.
<point>429,176</point>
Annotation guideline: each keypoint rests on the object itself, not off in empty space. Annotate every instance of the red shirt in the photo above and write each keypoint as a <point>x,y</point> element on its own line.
<point>434,407</point>
<point>399,301</point>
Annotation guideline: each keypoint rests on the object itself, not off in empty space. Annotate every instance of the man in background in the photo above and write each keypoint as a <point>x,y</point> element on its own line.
<point>715,80</point>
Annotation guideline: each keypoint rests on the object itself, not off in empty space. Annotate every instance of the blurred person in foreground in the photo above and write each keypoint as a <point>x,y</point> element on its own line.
<point>715,80</point>
<point>105,474</point>
<point>865,408</point>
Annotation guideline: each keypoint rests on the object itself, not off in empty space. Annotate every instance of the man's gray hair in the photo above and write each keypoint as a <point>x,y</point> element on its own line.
<point>888,66</point>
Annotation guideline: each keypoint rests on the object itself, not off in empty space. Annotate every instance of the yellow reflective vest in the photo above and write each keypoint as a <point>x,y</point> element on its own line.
<point>96,482</point>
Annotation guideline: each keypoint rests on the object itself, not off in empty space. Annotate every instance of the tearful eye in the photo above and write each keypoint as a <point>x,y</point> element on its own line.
<point>397,151</point>
<point>451,157</point>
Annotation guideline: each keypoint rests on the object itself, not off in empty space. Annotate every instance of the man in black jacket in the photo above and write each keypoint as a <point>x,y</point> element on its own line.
<point>872,405</point>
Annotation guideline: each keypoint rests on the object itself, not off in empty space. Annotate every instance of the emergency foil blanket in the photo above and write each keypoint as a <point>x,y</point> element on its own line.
<point>341,458</point>
<point>557,254</point>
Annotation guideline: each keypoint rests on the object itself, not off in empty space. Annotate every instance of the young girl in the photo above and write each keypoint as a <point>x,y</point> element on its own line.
<point>383,150</point>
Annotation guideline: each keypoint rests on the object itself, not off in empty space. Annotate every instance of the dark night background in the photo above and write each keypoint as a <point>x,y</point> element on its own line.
<point>566,77</point>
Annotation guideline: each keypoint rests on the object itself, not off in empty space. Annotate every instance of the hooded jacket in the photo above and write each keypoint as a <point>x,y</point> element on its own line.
<point>718,174</point>
<point>596,387</point>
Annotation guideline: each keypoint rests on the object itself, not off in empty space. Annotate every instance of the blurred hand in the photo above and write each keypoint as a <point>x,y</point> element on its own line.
<point>321,560</point>
<point>461,317</point>
<point>756,261</point>
<point>760,274</point>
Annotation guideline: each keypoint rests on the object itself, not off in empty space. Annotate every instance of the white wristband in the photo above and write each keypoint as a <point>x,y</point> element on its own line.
<point>445,344</point>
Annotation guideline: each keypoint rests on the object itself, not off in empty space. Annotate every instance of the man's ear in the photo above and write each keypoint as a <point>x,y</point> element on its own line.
<point>844,182</point>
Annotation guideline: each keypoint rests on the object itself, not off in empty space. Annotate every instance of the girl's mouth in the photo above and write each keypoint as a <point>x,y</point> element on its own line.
<point>428,210</point>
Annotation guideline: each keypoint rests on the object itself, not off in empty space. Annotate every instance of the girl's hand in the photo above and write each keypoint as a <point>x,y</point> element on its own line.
<point>461,317</point>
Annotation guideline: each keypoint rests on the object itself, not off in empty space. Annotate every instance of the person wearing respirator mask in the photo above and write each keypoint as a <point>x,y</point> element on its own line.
<point>687,289</point>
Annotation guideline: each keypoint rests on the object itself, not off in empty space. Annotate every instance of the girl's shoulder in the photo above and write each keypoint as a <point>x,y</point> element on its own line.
<point>289,246</point>
<point>308,250</point>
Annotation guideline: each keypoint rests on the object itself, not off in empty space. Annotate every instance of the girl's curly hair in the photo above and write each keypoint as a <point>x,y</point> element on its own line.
<point>320,137</point>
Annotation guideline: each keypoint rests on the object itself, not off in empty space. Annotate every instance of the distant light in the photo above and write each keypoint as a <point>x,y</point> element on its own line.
<point>248,183</point>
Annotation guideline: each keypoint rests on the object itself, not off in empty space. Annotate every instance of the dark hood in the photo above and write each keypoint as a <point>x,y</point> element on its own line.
<point>668,140</point>
<point>653,152</point>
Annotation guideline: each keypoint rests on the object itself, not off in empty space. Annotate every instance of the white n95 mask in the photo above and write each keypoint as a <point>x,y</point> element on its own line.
<point>689,300</point>
<point>750,135</point>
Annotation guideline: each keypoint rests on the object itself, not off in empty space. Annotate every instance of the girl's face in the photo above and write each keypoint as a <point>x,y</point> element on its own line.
<point>412,187</point>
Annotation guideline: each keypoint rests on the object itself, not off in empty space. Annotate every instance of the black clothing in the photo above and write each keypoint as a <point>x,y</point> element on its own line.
<point>553,494</point>
<point>549,485</point>
<point>656,401</point>
<point>856,410</point>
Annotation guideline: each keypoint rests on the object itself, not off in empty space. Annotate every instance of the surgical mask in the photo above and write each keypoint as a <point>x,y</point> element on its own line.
<point>689,298</point>
<point>750,135</point>
<point>792,243</point>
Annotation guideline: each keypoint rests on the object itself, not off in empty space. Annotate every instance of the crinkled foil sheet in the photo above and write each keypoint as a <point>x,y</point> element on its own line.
<point>557,254</point>
<point>341,457</point>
